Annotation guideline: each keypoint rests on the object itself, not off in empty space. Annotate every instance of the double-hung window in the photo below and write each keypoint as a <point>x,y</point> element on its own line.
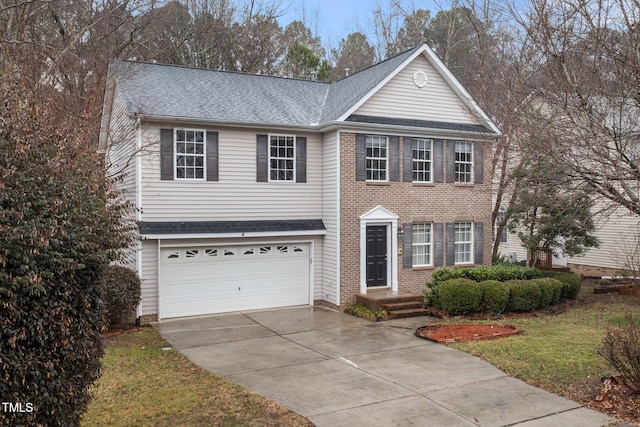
<point>282,158</point>
<point>463,166</point>
<point>422,159</point>
<point>421,246</point>
<point>189,154</point>
<point>463,242</point>
<point>376,148</point>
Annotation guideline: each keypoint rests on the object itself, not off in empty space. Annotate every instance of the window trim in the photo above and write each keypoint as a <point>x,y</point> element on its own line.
<point>457,243</point>
<point>429,245</point>
<point>386,158</point>
<point>456,163</point>
<point>203,155</point>
<point>414,141</point>
<point>293,159</point>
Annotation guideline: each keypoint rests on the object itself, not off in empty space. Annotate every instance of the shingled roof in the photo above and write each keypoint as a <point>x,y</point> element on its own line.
<point>174,92</point>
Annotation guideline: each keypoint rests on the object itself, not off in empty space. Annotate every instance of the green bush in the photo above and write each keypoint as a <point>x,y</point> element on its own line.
<point>495,296</point>
<point>120,294</point>
<point>523,295</point>
<point>571,283</point>
<point>550,290</point>
<point>459,296</point>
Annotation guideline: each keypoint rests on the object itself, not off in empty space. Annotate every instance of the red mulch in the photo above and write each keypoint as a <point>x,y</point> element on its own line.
<point>442,333</point>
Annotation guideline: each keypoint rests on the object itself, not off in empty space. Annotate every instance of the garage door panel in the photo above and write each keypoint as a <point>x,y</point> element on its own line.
<point>203,280</point>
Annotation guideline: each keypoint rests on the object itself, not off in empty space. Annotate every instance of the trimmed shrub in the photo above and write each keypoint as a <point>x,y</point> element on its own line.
<point>571,283</point>
<point>495,296</point>
<point>523,295</point>
<point>550,290</point>
<point>120,294</point>
<point>502,273</point>
<point>459,296</point>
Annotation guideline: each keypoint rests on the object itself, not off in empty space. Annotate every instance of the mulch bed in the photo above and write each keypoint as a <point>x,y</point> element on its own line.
<point>442,333</point>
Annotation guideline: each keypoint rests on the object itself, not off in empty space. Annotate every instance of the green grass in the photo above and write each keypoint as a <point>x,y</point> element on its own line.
<point>143,384</point>
<point>559,352</point>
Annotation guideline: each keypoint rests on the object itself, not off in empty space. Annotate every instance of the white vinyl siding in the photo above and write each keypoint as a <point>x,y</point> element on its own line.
<point>236,196</point>
<point>328,291</point>
<point>149,277</point>
<point>401,98</point>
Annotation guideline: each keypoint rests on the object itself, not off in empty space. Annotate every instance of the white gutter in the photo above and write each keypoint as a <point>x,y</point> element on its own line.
<point>237,235</point>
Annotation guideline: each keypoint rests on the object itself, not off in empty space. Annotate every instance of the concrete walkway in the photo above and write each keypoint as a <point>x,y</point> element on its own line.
<point>338,370</point>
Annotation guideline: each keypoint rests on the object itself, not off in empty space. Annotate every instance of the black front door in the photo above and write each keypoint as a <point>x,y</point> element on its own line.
<point>376,255</point>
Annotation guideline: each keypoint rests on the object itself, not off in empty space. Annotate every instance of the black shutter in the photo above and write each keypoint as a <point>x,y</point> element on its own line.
<point>438,253</point>
<point>438,160</point>
<point>407,157</point>
<point>478,165</point>
<point>301,159</point>
<point>451,248</point>
<point>212,156</point>
<point>166,154</point>
<point>478,244</point>
<point>407,246</point>
<point>361,157</point>
<point>394,158</point>
<point>262,156</point>
<point>451,160</point>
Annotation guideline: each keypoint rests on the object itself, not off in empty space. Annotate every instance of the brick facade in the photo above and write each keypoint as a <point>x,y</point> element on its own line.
<point>437,203</point>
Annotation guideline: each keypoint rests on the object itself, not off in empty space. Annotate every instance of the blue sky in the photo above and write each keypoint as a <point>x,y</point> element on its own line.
<point>333,20</point>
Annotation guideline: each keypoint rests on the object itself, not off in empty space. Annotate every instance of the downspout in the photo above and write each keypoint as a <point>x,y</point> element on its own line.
<point>338,266</point>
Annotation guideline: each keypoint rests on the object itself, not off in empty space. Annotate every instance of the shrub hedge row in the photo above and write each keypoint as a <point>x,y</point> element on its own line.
<point>499,288</point>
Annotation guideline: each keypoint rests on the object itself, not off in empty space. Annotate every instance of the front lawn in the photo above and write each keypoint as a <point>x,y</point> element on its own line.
<point>146,383</point>
<point>559,352</point>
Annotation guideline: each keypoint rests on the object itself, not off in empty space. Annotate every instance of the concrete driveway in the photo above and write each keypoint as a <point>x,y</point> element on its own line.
<point>338,370</point>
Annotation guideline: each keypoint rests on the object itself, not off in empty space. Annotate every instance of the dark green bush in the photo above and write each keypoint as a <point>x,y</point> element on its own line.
<point>495,296</point>
<point>499,272</point>
<point>120,294</point>
<point>550,290</point>
<point>523,295</point>
<point>459,296</point>
<point>571,283</point>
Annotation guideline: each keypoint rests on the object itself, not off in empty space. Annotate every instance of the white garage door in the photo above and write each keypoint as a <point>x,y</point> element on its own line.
<point>218,279</point>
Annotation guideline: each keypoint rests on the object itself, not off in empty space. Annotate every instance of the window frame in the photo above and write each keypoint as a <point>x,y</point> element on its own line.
<point>463,247</point>
<point>463,167</point>
<point>504,236</point>
<point>414,160</point>
<point>292,159</point>
<point>427,245</point>
<point>194,155</point>
<point>369,171</point>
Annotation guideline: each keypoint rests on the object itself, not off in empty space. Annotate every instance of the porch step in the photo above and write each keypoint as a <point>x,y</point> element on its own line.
<point>410,312</point>
<point>398,305</point>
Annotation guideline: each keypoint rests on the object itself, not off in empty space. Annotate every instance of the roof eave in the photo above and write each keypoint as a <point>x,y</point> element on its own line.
<point>444,133</point>
<point>226,123</point>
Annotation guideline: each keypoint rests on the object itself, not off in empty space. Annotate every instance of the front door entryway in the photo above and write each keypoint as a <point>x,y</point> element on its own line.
<point>376,255</point>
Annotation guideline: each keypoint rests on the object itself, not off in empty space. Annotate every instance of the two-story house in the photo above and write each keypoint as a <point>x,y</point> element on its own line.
<point>255,192</point>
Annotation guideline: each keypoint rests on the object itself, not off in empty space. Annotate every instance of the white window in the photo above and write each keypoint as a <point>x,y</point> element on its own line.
<point>376,158</point>
<point>463,166</point>
<point>189,157</point>
<point>282,158</point>
<point>421,244</point>
<point>500,218</point>
<point>463,242</point>
<point>422,160</point>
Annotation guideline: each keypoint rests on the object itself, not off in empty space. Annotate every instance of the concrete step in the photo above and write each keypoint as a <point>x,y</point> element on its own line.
<point>403,305</point>
<point>411,312</point>
<point>375,300</point>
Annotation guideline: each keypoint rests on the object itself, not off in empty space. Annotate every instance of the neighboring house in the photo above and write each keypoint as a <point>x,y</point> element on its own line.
<point>256,191</point>
<point>618,231</point>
